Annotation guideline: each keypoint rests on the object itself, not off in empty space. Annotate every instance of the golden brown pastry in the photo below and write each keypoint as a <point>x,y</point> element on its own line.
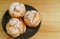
<point>15,27</point>
<point>32,18</point>
<point>17,10</point>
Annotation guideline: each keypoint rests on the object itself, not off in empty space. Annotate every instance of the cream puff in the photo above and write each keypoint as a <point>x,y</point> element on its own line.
<point>17,10</point>
<point>32,18</point>
<point>15,27</point>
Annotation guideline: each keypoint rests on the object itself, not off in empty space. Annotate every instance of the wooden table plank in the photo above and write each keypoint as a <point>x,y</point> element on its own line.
<point>47,35</point>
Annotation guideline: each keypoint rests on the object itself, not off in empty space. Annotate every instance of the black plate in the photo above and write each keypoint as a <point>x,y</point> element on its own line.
<point>29,31</point>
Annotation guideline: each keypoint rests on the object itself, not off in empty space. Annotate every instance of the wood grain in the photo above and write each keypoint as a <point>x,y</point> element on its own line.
<point>50,13</point>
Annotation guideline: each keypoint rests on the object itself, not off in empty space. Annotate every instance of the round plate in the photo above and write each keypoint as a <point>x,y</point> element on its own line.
<point>29,31</point>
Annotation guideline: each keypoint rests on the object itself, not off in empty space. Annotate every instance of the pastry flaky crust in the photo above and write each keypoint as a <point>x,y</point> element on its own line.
<point>15,27</point>
<point>32,18</point>
<point>17,10</point>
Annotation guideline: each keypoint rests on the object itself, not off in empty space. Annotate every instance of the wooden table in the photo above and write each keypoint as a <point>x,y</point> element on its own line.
<point>50,12</point>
